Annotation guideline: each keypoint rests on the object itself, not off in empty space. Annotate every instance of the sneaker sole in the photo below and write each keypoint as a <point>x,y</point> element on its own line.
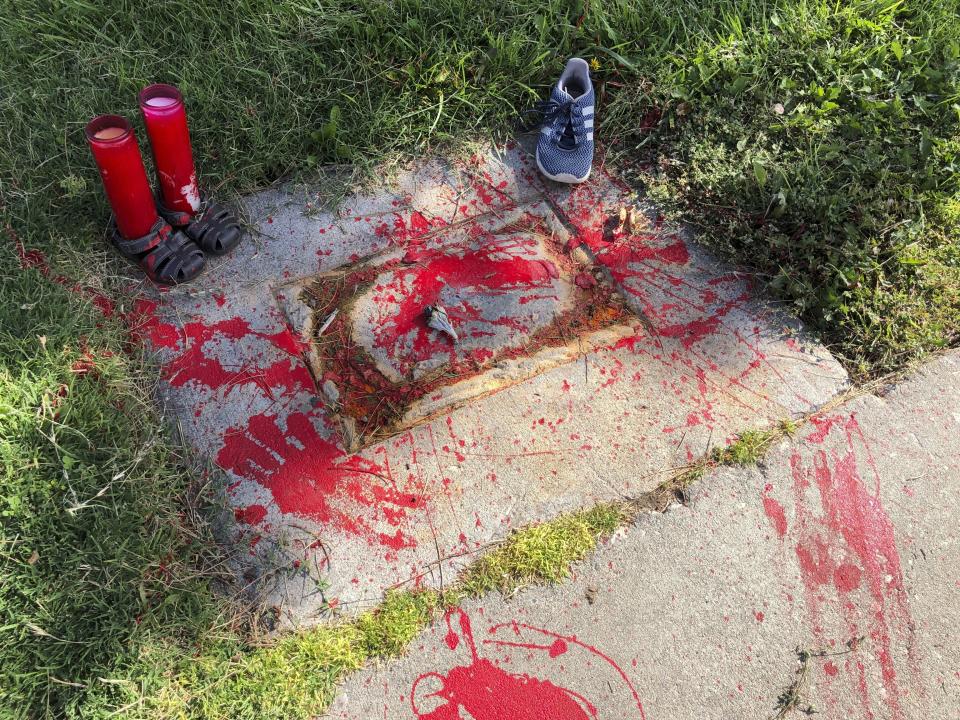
<point>566,178</point>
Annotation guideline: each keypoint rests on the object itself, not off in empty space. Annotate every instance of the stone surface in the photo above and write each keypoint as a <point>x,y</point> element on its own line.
<point>844,543</point>
<point>596,357</point>
<point>499,289</point>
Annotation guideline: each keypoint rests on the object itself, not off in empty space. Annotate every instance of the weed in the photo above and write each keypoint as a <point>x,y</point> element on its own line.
<point>791,698</point>
<point>749,446</point>
<point>747,449</point>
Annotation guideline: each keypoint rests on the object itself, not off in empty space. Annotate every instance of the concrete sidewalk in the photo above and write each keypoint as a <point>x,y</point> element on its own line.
<point>826,579</point>
<point>359,449</point>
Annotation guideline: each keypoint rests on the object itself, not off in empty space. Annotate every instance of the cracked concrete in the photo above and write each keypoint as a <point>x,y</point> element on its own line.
<point>652,353</point>
<point>843,542</point>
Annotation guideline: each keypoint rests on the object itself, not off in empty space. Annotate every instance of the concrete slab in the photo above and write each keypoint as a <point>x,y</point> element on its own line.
<point>368,451</point>
<point>843,543</point>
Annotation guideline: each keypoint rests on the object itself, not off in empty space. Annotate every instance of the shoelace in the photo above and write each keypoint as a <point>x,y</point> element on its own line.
<point>547,111</point>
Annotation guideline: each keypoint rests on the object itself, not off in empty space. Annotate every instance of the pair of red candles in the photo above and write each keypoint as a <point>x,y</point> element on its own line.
<point>117,155</point>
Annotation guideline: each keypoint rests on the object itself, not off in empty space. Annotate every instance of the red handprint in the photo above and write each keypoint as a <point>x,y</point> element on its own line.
<point>310,476</point>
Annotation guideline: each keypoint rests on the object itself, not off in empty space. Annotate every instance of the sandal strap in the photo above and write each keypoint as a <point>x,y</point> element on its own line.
<point>168,256</point>
<point>177,218</point>
<point>167,259</point>
<point>214,227</point>
<point>174,261</point>
<point>133,247</point>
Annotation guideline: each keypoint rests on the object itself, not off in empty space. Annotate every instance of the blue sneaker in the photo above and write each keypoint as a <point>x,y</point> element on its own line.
<point>565,147</point>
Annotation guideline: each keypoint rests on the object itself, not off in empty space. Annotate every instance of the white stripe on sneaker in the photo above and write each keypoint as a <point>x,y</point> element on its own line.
<point>588,123</point>
<point>546,130</point>
<point>587,110</point>
<point>590,137</point>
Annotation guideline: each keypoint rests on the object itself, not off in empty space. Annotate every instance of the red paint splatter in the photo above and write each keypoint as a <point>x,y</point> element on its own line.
<point>306,473</point>
<point>585,280</point>
<point>491,269</point>
<point>759,615</point>
<point>37,260</point>
<point>251,515</point>
<point>407,231</point>
<point>28,258</point>
<point>481,690</point>
<point>514,261</point>
<point>846,577</point>
<point>823,426</point>
<point>104,304</point>
<point>195,364</point>
<point>415,255</point>
<point>830,668</point>
<point>639,264</point>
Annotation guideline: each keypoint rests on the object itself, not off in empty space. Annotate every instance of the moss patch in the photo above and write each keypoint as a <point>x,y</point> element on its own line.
<point>543,552</point>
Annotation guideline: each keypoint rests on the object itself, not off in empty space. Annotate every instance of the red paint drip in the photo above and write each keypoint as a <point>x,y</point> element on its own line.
<point>851,547</point>
<point>774,511</point>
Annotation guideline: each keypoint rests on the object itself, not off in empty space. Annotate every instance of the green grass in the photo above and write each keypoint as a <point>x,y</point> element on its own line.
<point>750,445</point>
<point>845,203</point>
<point>818,144</point>
<point>98,555</point>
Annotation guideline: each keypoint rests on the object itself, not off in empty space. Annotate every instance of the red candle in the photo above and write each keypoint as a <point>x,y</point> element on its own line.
<point>166,121</point>
<point>125,181</point>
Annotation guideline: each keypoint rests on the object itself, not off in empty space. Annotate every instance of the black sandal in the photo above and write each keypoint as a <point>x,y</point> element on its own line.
<point>214,227</point>
<point>165,255</point>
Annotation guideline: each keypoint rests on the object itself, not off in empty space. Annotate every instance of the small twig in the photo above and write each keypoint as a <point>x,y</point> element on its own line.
<point>326,323</point>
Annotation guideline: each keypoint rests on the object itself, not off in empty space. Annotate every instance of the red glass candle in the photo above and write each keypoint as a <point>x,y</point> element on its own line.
<point>125,181</point>
<point>166,121</point>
